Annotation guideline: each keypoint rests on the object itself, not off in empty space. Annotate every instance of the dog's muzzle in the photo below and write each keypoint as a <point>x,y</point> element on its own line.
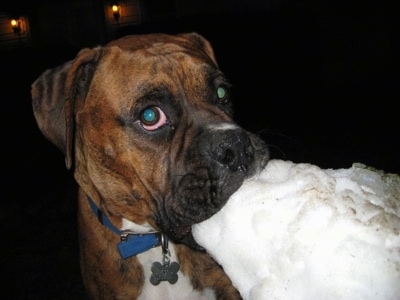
<point>217,163</point>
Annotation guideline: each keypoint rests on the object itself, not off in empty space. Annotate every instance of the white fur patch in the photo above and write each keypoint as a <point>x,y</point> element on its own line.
<point>138,228</point>
<point>223,126</point>
<point>181,290</point>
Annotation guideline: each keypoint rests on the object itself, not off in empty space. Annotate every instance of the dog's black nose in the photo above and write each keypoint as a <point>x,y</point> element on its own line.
<point>235,151</point>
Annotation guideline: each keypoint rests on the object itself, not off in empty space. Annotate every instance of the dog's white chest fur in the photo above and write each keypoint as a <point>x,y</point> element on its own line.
<point>182,289</point>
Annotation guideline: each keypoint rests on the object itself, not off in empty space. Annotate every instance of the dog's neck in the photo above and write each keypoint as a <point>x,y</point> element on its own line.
<point>135,238</point>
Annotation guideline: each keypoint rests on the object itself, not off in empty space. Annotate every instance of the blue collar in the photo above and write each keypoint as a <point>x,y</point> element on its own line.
<point>131,243</point>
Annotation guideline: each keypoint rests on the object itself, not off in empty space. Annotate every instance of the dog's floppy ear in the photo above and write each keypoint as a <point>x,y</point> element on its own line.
<point>201,43</point>
<point>54,95</point>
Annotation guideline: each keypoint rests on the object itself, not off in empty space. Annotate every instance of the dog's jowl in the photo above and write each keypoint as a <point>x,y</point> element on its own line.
<point>145,123</point>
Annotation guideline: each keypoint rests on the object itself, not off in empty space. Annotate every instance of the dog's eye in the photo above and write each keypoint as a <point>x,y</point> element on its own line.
<point>222,94</point>
<point>152,118</point>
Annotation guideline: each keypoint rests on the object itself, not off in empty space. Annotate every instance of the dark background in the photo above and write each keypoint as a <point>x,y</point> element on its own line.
<point>317,80</point>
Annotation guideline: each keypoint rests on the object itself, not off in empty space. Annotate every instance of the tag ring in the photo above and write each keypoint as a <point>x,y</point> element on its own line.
<point>164,243</point>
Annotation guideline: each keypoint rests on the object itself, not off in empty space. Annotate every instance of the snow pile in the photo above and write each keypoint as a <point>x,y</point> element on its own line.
<point>296,231</point>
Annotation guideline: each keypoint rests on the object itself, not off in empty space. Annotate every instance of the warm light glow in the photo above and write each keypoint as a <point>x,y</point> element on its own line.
<point>14,23</point>
<point>16,26</point>
<point>114,8</point>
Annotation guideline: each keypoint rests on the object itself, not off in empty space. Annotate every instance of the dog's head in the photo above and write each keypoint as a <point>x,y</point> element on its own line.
<point>146,122</point>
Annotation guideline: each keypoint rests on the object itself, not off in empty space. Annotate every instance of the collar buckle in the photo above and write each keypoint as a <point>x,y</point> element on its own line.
<point>127,235</point>
<point>133,243</point>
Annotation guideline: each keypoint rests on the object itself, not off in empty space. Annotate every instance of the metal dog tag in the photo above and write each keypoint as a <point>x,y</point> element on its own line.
<point>166,271</point>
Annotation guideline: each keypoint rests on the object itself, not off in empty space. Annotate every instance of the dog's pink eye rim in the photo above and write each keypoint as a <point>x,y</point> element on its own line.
<point>152,118</point>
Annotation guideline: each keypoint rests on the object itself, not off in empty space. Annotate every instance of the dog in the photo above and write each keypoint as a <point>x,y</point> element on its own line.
<point>146,126</point>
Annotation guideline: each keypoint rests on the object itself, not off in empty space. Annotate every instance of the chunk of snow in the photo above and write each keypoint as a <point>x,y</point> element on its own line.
<point>296,231</point>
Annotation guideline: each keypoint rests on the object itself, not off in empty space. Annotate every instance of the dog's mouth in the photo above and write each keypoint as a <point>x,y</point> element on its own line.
<point>217,163</point>
<point>199,198</point>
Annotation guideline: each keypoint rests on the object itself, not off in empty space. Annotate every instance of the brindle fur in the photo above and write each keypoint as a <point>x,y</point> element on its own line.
<point>166,179</point>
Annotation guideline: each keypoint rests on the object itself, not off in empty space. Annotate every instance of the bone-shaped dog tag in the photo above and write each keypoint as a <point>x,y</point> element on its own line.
<point>164,272</point>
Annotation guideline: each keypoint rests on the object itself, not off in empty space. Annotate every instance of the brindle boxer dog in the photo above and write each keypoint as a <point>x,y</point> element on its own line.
<point>146,124</point>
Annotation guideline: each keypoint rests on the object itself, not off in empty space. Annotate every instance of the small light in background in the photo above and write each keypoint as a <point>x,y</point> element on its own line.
<point>116,10</point>
<point>16,26</point>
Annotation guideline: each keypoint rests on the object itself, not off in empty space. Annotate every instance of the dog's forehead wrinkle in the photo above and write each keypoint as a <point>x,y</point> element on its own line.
<point>177,52</point>
<point>166,61</point>
<point>154,90</point>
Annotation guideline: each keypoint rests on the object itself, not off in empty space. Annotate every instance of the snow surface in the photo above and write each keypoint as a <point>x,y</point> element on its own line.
<point>296,231</point>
